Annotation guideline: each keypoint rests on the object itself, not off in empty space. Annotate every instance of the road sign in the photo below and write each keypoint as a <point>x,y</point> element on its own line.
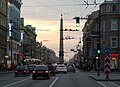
<point>107,65</point>
<point>107,50</point>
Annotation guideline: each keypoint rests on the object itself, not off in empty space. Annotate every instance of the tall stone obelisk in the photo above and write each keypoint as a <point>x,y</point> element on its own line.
<point>61,49</point>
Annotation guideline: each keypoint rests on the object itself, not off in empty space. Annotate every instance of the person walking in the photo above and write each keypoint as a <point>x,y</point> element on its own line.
<point>6,67</point>
<point>0,66</point>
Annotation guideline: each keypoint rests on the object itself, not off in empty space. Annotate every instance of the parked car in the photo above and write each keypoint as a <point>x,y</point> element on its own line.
<point>71,68</point>
<point>51,69</point>
<point>21,70</point>
<point>41,71</point>
<point>31,67</point>
<point>61,68</point>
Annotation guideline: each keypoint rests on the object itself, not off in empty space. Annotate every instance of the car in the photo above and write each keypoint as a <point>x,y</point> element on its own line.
<point>71,68</point>
<point>41,71</point>
<point>21,70</point>
<point>61,68</point>
<point>51,69</point>
<point>31,67</point>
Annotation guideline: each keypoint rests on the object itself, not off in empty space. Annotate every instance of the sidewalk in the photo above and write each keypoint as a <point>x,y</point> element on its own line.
<point>6,72</point>
<point>112,77</point>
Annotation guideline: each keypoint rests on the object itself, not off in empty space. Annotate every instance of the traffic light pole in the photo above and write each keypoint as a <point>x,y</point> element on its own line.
<point>98,74</point>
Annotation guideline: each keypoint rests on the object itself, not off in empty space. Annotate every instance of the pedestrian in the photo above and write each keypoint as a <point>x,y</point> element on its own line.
<point>6,67</point>
<point>0,66</point>
<point>3,67</point>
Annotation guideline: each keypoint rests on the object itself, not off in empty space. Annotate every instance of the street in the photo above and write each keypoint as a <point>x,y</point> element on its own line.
<point>78,79</point>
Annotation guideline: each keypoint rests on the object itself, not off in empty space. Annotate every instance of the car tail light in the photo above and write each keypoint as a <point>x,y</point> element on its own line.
<point>24,70</point>
<point>16,71</point>
<point>34,72</point>
<point>46,71</point>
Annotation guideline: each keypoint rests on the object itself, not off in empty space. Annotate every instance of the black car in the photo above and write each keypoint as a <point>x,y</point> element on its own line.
<point>21,70</point>
<point>51,69</point>
<point>41,71</point>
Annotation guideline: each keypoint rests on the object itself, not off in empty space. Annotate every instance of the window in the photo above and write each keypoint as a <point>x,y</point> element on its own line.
<point>114,25</point>
<point>113,41</point>
<point>114,8</point>
<point>107,8</point>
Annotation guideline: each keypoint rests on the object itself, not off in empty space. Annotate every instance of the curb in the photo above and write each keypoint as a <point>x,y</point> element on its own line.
<point>98,79</point>
<point>1,73</point>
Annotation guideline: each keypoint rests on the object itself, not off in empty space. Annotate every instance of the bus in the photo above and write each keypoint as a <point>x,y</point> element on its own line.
<point>29,61</point>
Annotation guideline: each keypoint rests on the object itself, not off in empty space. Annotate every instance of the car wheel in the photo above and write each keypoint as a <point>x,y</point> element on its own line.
<point>34,77</point>
<point>53,74</point>
<point>65,72</point>
<point>16,75</point>
<point>48,77</point>
<point>29,74</point>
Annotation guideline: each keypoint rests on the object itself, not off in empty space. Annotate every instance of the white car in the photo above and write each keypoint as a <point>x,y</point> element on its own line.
<point>61,68</point>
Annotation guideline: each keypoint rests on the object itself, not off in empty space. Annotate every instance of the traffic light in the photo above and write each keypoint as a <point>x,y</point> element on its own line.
<point>98,49</point>
<point>77,22</point>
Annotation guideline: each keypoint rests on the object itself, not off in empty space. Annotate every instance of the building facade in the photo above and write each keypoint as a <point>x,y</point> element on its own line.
<point>3,29</point>
<point>107,21</point>
<point>14,10</point>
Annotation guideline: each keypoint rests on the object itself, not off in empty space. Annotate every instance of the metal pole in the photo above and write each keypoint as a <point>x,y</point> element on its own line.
<point>118,65</point>
<point>23,53</point>
<point>11,51</point>
<point>31,47</point>
<point>99,45</point>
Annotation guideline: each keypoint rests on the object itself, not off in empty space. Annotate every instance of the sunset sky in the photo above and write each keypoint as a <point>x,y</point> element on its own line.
<point>45,16</point>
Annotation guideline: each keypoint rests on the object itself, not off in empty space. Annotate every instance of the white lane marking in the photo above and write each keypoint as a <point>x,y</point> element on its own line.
<point>101,84</point>
<point>51,85</point>
<point>114,84</point>
<point>16,82</point>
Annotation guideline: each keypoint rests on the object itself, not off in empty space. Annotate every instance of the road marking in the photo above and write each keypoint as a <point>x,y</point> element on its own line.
<point>114,84</point>
<point>101,84</point>
<point>16,82</point>
<point>51,85</point>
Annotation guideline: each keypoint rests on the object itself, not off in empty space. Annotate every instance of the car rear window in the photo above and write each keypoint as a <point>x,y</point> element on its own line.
<point>41,67</point>
<point>61,66</point>
<point>21,67</point>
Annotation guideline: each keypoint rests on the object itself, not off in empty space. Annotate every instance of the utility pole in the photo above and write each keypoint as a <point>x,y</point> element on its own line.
<point>61,49</point>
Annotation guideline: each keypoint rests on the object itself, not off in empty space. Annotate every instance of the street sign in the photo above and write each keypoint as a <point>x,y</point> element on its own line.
<point>107,67</point>
<point>107,50</point>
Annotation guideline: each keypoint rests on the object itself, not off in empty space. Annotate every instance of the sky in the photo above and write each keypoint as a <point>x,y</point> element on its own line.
<point>45,16</point>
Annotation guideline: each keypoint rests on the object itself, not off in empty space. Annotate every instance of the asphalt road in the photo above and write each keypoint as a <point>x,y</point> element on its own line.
<point>78,79</point>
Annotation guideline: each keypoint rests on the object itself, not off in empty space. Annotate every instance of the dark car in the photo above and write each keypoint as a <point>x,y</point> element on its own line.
<point>21,70</point>
<point>71,68</point>
<point>40,71</point>
<point>31,67</point>
<point>51,69</point>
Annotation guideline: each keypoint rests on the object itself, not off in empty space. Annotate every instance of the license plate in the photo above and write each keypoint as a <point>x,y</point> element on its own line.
<point>40,71</point>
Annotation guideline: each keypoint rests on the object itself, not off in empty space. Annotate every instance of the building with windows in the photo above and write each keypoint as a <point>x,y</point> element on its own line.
<point>14,10</point>
<point>3,29</point>
<point>107,21</point>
